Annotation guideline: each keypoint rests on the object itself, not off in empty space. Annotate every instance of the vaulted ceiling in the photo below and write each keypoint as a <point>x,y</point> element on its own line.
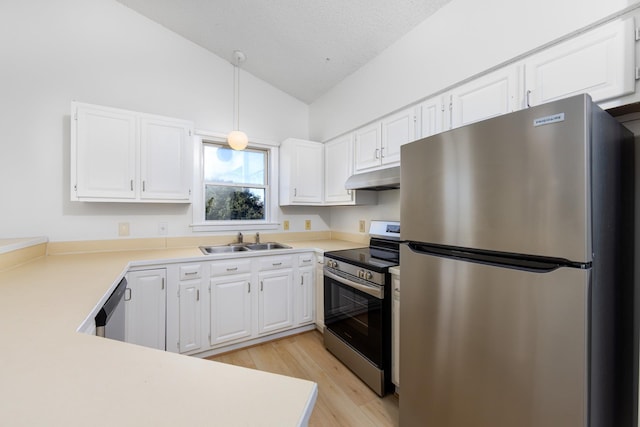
<point>303,47</point>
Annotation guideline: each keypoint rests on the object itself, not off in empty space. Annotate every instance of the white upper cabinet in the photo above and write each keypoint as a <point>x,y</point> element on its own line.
<point>600,62</point>
<point>431,117</point>
<point>301,172</point>
<point>166,159</point>
<point>338,167</point>
<point>367,147</point>
<point>378,145</point>
<point>103,153</point>
<point>125,156</point>
<point>397,129</point>
<point>488,96</point>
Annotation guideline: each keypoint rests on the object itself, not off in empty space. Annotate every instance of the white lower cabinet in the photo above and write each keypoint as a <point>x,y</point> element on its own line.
<point>305,291</point>
<point>246,300</point>
<point>319,293</point>
<point>189,317</point>
<point>229,308</point>
<point>275,300</point>
<point>145,308</point>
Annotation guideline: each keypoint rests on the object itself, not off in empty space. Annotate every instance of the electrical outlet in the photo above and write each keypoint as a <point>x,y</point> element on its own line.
<point>285,225</point>
<point>163,228</point>
<point>307,224</point>
<point>123,229</point>
<point>361,225</point>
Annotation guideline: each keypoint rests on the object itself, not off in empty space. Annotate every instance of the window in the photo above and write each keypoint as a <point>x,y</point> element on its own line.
<point>236,183</point>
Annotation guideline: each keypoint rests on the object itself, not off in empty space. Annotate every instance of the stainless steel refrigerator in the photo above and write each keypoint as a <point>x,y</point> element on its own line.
<point>517,288</point>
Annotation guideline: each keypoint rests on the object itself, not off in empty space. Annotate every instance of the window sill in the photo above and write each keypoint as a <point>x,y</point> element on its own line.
<point>227,226</point>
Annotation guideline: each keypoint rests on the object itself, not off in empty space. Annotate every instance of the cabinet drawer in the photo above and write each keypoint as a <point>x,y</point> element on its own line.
<point>192,271</point>
<point>273,263</point>
<point>305,259</point>
<point>231,266</point>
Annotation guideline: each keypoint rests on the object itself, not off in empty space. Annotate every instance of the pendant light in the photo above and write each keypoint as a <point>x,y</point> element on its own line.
<point>237,139</point>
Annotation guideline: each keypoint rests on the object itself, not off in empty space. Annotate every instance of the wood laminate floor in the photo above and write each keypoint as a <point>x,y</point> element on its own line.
<point>343,400</point>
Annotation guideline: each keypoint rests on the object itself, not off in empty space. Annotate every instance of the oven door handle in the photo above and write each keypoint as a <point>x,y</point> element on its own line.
<point>374,291</point>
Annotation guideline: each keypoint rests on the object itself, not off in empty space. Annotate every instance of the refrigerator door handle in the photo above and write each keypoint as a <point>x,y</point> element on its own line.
<point>534,263</point>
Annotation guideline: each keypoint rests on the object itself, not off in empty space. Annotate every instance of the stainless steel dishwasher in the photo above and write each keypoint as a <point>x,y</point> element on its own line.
<point>110,320</point>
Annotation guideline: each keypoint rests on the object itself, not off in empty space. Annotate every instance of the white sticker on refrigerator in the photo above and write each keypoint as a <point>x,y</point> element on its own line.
<point>549,119</point>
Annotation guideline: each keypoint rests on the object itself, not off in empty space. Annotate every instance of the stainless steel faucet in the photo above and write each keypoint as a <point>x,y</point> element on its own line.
<point>240,237</point>
<point>257,237</point>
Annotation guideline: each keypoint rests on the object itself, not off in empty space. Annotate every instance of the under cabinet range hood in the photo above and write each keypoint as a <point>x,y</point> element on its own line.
<point>378,180</point>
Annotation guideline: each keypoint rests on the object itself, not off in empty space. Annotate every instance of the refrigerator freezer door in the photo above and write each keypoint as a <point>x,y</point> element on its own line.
<point>487,346</point>
<point>509,184</point>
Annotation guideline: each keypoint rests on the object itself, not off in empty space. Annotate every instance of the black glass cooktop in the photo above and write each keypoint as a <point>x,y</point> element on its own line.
<point>374,259</point>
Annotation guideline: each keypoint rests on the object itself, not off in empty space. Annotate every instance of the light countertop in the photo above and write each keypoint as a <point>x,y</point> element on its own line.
<point>52,375</point>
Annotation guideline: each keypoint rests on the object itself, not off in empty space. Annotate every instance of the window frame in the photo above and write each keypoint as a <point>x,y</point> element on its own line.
<point>200,224</point>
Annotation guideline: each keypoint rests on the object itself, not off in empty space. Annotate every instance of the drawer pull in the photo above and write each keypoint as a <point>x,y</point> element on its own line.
<point>232,269</point>
<point>190,273</point>
<point>275,264</point>
<point>306,260</point>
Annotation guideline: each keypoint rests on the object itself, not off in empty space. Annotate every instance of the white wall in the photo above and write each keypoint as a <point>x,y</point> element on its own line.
<point>346,218</point>
<point>463,38</point>
<point>100,52</point>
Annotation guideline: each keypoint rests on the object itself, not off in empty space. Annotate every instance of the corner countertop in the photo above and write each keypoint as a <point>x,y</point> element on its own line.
<point>52,375</point>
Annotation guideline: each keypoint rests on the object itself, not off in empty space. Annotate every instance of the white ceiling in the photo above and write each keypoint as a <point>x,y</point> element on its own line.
<point>303,47</point>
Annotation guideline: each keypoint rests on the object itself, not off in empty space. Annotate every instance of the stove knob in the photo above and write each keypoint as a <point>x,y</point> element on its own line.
<point>329,263</point>
<point>369,275</point>
<point>361,274</point>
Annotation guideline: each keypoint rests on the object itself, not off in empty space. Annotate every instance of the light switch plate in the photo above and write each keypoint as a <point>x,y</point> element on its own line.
<point>361,225</point>
<point>307,224</point>
<point>285,225</point>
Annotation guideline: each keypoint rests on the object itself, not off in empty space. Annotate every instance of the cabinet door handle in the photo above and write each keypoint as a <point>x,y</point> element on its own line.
<point>162,285</point>
<point>197,294</point>
<point>301,280</point>
<point>382,152</point>
<point>528,98</point>
<point>261,285</point>
<point>127,296</point>
<point>144,185</point>
<point>377,153</point>
<point>131,185</point>
<point>248,287</point>
<point>295,192</point>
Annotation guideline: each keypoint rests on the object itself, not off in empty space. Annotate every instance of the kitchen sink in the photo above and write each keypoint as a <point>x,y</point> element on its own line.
<point>240,247</point>
<point>266,246</point>
<point>223,249</point>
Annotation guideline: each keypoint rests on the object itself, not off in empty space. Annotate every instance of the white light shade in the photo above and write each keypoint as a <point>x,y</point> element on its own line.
<point>237,140</point>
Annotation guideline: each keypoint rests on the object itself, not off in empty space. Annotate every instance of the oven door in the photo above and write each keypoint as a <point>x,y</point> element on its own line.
<point>355,311</point>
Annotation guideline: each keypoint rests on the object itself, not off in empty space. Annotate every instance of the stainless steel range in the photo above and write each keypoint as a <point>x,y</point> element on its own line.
<point>357,305</point>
